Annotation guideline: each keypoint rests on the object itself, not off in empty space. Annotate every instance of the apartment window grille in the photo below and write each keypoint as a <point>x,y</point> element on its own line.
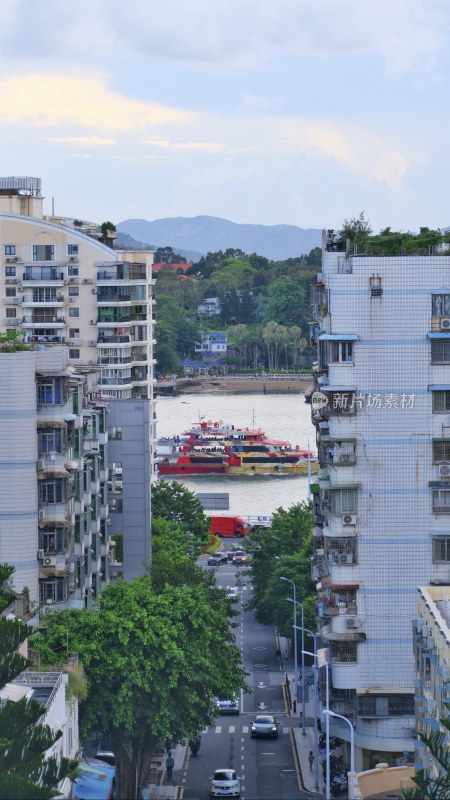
<point>385,706</point>
<point>74,333</point>
<point>74,354</point>
<point>11,313</point>
<point>53,541</point>
<point>440,305</point>
<point>77,529</point>
<point>73,291</point>
<point>45,295</point>
<point>340,352</point>
<point>343,501</point>
<point>10,292</point>
<point>441,451</point>
<point>344,652</point>
<point>72,249</point>
<point>51,490</point>
<point>440,351</point>
<point>10,272</point>
<point>54,589</point>
<point>51,391</point>
<point>50,441</point>
<point>43,252</point>
<point>342,402</point>
<point>10,249</point>
<point>441,549</point>
<point>441,401</point>
<point>441,501</point>
<point>74,312</point>
<point>73,270</point>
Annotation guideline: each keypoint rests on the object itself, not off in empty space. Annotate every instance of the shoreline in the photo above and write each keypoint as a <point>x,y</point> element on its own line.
<point>230,385</point>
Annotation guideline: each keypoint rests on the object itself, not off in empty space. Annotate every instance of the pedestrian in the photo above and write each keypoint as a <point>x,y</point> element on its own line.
<point>311,759</point>
<point>169,765</point>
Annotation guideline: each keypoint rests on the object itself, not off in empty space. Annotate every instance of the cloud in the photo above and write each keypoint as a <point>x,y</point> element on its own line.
<point>406,33</point>
<point>43,100</point>
<point>390,168</point>
<point>97,141</point>
<point>205,147</point>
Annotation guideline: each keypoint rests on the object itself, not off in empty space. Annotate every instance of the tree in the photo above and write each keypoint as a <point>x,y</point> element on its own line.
<point>153,661</point>
<point>173,502</point>
<point>357,229</point>
<point>286,301</point>
<point>107,226</point>
<point>25,773</point>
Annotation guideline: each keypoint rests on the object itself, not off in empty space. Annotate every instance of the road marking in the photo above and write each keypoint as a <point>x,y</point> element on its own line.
<point>267,754</point>
<point>285,730</point>
<point>260,666</point>
<point>218,729</point>
<point>231,729</point>
<point>245,729</point>
<point>259,648</point>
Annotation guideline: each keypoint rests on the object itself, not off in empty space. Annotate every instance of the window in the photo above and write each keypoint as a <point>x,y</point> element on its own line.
<point>10,272</point>
<point>50,441</point>
<point>440,351</point>
<point>51,392</point>
<point>74,291</point>
<point>74,353</point>
<point>441,451</point>
<point>10,249</point>
<point>54,589</point>
<point>343,501</point>
<point>74,333</point>
<point>72,271</point>
<point>45,295</point>
<point>53,541</point>
<point>441,501</point>
<point>440,305</point>
<point>11,313</point>
<point>441,548</point>
<point>72,249</point>
<point>340,352</point>
<point>342,402</point>
<point>74,312</point>
<point>10,292</point>
<point>43,252</point>
<point>441,402</point>
<point>386,706</point>
<point>344,652</point>
<point>51,491</point>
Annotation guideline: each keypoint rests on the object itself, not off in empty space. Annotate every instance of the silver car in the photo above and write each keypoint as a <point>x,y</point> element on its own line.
<point>264,725</point>
<point>225,783</point>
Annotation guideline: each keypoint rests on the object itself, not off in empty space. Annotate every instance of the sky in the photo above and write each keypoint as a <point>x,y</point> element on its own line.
<point>301,112</point>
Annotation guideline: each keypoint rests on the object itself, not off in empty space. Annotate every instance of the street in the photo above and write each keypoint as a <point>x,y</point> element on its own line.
<point>266,767</point>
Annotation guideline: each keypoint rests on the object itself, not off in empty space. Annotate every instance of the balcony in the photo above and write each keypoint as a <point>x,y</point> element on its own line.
<point>42,275</point>
<point>43,320</point>
<point>121,272</point>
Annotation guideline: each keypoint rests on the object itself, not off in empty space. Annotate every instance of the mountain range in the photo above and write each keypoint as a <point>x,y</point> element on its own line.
<point>193,237</point>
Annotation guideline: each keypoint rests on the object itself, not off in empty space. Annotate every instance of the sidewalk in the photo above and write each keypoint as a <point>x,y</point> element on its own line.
<point>305,743</point>
<point>162,789</point>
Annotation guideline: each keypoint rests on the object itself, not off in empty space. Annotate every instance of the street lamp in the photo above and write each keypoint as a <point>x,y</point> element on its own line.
<point>352,750</point>
<point>288,580</point>
<point>303,662</point>
<point>316,701</point>
<point>327,718</point>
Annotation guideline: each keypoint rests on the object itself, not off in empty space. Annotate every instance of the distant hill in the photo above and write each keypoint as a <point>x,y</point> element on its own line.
<point>127,242</point>
<point>208,234</point>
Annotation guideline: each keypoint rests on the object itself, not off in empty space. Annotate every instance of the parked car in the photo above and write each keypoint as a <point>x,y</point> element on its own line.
<point>225,783</point>
<point>232,592</point>
<point>264,725</point>
<point>232,552</point>
<point>216,559</point>
<point>227,706</point>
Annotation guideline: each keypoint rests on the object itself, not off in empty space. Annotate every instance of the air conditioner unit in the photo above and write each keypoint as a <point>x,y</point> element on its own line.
<point>49,601</point>
<point>94,291</point>
<point>14,322</point>
<point>41,514</point>
<point>343,558</point>
<point>93,322</point>
<point>40,554</point>
<point>349,519</point>
<point>10,260</point>
<point>352,622</point>
<point>49,561</point>
<point>320,552</point>
<point>445,324</point>
<point>72,280</point>
<point>40,464</point>
<point>444,470</point>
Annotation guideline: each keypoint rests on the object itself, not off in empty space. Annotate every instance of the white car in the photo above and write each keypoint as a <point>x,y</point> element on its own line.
<point>232,592</point>
<point>225,783</point>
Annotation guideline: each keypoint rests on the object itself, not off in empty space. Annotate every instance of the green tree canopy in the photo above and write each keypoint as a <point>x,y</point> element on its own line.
<point>153,661</point>
<point>173,502</point>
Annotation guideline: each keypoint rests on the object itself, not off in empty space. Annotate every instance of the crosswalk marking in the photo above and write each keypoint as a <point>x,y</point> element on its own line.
<point>231,729</point>
<point>218,729</point>
<point>243,730</point>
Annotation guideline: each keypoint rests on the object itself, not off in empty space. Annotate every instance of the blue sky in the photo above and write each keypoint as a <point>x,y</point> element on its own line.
<point>303,112</point>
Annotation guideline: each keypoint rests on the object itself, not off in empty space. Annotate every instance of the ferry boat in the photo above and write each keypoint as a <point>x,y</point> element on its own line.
<point>212,448</point>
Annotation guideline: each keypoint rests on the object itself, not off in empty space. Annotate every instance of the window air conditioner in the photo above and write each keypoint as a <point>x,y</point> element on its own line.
<point>49,561</point>
<point>93,322</point>
<point>40,464</point>
<point>444,470</point>
<point>41,514</point>
<point>352,622</point>
<point>40,554</point>
<point>445,324</point>
<point>343,558</point>
<point>349,519</point>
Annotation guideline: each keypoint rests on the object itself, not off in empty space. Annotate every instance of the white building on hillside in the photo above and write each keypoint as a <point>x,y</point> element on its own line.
<point>382,505</point>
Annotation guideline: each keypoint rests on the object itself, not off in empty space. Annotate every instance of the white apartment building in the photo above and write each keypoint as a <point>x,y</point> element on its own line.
<point>63,288</point>
<point>382,502</point>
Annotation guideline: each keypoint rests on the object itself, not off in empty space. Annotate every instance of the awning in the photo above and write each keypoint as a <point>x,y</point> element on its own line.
<point>438,335</point>
<point>439,387</point>
<point>386,690</point>
<point>343,636</point>
<point>338,389</point>
<point>56,471</point>
<point>340,534</point>
<point>347,486</point>
<point>71,465</point>
<point>331,438</point>
<point>444,290</point>
<point>317,532</point>
<point>328,583</point>
<point>50,423</point>
<point>338,337</point>
<point>60,522</point>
